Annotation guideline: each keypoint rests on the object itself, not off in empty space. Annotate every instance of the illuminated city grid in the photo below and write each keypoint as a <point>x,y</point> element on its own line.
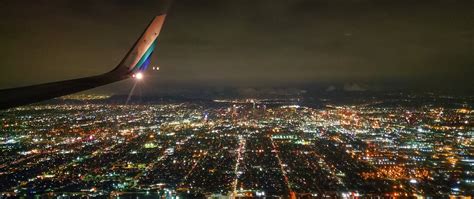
<point>237,148</point>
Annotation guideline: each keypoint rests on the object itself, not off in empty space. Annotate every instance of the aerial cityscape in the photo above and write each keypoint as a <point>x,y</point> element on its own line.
<point>230,148</point>
<point>237,99</point>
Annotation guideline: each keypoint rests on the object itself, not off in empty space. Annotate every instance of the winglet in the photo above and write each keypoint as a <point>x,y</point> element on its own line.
<point>138,58</point>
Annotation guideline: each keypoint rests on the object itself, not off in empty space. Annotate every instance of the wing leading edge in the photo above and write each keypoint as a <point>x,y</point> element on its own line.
<point>136,60</point>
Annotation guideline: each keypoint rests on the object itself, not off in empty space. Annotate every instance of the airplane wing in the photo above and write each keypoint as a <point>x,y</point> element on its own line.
<point>136,60</point>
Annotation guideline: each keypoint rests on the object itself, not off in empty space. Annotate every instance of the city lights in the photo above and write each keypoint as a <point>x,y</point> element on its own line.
<point>235,148</point>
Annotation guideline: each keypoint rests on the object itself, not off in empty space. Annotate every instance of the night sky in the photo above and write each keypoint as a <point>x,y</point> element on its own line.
<point>351,44</point>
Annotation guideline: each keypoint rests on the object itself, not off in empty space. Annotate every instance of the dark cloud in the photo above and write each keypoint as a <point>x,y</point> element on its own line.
<point>258,43</point>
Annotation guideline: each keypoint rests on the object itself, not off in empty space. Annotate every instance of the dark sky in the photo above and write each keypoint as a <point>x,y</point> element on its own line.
<point>245,43</point>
